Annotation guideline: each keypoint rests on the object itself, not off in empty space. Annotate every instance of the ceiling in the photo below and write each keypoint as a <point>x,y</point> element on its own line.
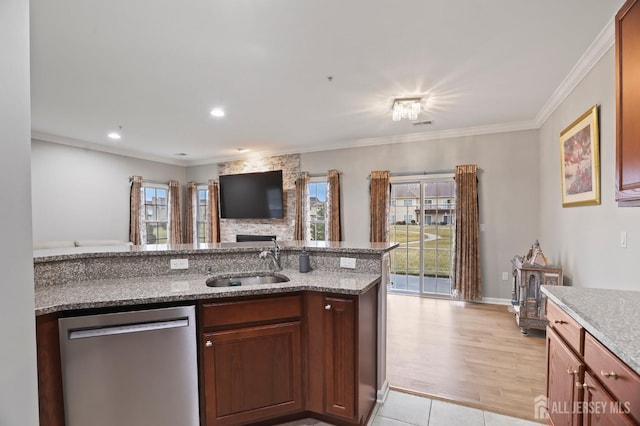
<point>157,68</point>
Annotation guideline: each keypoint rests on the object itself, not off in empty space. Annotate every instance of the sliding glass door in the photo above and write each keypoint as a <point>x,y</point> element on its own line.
<point>422,221</point>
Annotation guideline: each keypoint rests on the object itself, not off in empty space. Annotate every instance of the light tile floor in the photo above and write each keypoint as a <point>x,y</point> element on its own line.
<point>402,409</point>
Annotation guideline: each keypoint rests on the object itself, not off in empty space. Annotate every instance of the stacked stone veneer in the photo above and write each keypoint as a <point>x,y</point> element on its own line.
<point>282,228</point>
<point>117,265</point>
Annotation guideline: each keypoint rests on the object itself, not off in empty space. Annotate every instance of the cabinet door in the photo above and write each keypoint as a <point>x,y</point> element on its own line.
<point>339,356</point>
<point>600,409</point>
<point>628,104</point>
<point>564,382</point>
<point>252,373</point>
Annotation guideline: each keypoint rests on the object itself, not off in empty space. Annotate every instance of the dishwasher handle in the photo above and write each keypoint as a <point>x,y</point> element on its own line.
<point>127,328</point>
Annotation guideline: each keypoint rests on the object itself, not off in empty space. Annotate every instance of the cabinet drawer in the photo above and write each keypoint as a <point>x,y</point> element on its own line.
<point>624,384</point>
<point>566,327</point>
<point>251,311</point>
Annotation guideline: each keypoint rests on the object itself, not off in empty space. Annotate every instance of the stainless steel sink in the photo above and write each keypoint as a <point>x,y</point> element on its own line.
<point>235,281</point>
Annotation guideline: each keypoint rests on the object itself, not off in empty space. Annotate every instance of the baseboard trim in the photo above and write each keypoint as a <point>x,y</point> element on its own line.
<point>383,392</point>
<point>496,301</point>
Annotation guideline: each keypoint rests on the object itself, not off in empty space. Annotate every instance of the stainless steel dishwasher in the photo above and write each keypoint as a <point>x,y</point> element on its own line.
<point>130,368</point>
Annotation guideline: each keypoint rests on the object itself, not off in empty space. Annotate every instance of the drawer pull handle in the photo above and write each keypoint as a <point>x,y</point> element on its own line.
<point>560,322</point>
<point>582,385</point>
<point>327,307</point>
<point>208,343</point>
<point>610,375</point>
<point>571,372</point>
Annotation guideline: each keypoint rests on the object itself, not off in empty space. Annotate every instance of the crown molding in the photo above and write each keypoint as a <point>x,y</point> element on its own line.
<point>384,140</point>
<point>63,140</point>
<point>601,45</point>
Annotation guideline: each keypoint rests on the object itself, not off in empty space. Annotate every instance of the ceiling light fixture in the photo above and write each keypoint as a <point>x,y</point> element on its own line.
<point>217,112</point>
<point>408,108</point>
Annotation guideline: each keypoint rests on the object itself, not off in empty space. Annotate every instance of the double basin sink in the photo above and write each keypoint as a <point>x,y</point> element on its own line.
<point>244,280</point>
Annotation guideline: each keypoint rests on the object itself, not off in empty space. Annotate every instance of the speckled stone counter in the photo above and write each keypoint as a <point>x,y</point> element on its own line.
<point>172,288</point>
<point>611,316</point>
<point>70,279</point>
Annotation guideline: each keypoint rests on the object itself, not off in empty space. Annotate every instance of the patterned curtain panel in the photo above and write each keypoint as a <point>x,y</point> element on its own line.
<point>189,213</point>
<point>213,217</point>
<point>135,206</point>
<point>468,281</point>
<point>175,223</point>
<point>334,206</point>
<point>299,232</point>
<point>379,206</point>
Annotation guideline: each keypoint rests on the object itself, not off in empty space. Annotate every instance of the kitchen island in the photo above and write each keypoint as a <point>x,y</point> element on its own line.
<point>329,323</point>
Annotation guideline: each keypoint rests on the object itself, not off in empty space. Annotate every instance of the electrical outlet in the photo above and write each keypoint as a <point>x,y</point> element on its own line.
<point>482,227</point>
<point>179,264</point>
<point>348,262</point>
<point>505,276</point>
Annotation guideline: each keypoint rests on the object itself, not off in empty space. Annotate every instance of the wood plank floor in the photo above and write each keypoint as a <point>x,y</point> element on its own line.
<point>470,353</point>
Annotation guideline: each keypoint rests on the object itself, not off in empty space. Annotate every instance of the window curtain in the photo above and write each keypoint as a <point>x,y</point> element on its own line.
<point>468,281</point>
<point>175,224</point>
<point>299,232</point>
<point>379,206</point>
<point>135,210</point>
<point>335,230</point>
<point>190,213</point>
<point>213,217</point>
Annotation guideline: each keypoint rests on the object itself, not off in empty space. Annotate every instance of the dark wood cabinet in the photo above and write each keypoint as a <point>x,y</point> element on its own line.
<point>586,383</point>
<point>606,411</point>
<point>252,373</point>
<point>342,339</point>
<point>50,396</point>
<point>628,104</point>
<point>565,374</point>
<point>339,356</point>
<point>251,360</point>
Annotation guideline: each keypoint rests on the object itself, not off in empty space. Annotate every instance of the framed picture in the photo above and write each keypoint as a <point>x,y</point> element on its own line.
<point>580,161</point>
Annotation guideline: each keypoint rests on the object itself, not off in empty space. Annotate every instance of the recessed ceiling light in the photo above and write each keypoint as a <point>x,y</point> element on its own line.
<point>217,112</point>
<point>116,135</point>
<point>243,150</point>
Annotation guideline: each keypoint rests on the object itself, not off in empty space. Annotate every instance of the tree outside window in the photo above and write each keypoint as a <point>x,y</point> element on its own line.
<point>201,214</point>
<point>317,211</point>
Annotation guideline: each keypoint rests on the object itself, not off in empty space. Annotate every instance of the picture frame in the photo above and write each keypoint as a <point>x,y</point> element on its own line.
<point>580,161</point>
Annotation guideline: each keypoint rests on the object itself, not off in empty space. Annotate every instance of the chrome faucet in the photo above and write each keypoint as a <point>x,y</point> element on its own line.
<point>273,255</point>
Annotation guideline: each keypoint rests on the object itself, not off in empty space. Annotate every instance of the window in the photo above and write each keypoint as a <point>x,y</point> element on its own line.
<point>408,202</point>
<point>317,210</point>
<point>422,263</point>
<point>156,213</point>
<point>202,225</point>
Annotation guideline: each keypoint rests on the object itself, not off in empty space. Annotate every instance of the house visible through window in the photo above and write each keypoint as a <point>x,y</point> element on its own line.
<point>317,217</point>
<point>156,213</point>
<point>202,224</point>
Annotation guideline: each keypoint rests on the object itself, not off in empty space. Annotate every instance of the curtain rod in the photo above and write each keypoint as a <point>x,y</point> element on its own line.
<point>424,172</point>
<point>160,182</point>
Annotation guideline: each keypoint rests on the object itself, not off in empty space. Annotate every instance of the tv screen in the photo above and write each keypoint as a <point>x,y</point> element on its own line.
<point>251,196</point>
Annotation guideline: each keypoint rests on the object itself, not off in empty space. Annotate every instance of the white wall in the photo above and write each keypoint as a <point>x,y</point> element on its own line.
<point>508,189</point>
<point>80,194</point>
<point>586,240</point>
<point>18,383</point>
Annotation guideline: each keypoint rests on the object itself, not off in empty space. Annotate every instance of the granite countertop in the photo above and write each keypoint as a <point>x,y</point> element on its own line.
<point>66,253</point>
<point>611,316</point>
<point>172,288</point>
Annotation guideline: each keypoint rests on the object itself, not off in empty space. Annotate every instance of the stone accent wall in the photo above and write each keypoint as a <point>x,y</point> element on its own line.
<point>282,228</point>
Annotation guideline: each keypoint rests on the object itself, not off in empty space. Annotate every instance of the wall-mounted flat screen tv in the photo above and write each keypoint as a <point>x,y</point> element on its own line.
<point>251,196</point>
